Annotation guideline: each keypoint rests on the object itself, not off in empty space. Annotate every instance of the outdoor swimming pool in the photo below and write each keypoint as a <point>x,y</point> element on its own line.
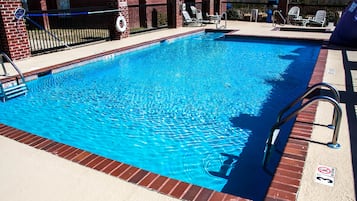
<point>195,109</point>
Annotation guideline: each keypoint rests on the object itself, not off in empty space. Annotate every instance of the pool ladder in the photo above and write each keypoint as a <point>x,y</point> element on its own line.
<point>10,89</point>
<point>278,13</point>
<point>219,17</point>
<point>336,120</point>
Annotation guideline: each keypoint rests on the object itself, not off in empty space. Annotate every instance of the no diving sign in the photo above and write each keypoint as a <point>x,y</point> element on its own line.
<point>325,175</point>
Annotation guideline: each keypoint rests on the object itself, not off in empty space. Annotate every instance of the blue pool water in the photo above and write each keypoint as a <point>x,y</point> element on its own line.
<point>194,109</point>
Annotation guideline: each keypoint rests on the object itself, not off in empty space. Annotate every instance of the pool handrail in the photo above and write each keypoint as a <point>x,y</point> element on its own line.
<point>217,20</point>
<point>274,132</point>
<point>13,91</point>
<point>2,54</point>
<point>309,91</point>
<point>280,15</point>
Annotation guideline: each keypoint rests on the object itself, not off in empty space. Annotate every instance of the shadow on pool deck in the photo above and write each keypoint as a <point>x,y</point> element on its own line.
<point>349,97</point>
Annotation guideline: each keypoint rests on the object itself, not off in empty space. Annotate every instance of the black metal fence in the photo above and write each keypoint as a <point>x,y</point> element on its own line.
<point>146,17</point>
<point>54,30</point>
<point>57,29</point>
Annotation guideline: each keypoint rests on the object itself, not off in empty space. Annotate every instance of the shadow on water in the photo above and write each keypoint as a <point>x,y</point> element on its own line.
<point>244,173</point>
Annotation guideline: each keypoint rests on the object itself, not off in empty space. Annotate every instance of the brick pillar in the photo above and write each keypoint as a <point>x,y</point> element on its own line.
<point>211,7</point>
<point>46,22</point>
<point>179,17</point>
<point>13,35</point>
<point>123,6</point>
<point>223,7</point>
<point>283,5</point>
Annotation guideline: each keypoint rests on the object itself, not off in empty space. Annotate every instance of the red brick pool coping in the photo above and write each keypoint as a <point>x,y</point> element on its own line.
<point>285,183</point>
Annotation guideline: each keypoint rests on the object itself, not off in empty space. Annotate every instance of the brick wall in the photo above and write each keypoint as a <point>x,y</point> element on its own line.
<point>156,12</point>
<point>134,12</point>
<point>3,40</point>
<point>14,38</point>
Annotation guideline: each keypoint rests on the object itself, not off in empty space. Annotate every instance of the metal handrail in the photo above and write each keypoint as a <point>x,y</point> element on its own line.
<point>274,132</point>
<point>225,19</point>
<point>219,17</point>
<point>3,66</point>
<point>14,65</point>
<point>280,15</point>
<point>308,92</point>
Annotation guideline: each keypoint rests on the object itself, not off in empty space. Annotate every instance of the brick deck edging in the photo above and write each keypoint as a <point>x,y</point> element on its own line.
<point>286,180</point>
<point>285,183</point>
<point>161,184</point>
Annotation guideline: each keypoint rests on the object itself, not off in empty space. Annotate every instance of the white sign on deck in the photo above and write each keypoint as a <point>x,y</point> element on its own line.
<point>325,175</point>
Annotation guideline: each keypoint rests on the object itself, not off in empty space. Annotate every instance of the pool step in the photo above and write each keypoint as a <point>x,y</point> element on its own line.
<point>14,91</point>
<point>11,89</point>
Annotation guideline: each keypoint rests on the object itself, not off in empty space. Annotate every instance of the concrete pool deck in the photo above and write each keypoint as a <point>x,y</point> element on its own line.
<point>31,174</point>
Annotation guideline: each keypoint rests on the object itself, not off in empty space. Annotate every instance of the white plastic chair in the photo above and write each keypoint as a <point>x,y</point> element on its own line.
<point>294,16</point>
<point>199,17</point>
<point>294,13</point>
<point>254,15</point>
<point>319,19</point>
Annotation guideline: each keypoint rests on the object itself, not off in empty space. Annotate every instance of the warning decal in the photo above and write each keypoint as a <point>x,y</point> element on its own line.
<point>325,175</point>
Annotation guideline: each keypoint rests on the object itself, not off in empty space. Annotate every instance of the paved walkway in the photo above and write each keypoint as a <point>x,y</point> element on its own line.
<point>336,72</point>
<point>30,174</point>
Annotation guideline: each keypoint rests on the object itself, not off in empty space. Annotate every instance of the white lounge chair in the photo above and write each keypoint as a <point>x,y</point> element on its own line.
<point>193,10</point>
<point>319,19</point>
<point>187,18</point>
<point>190,21</point>
<point>198,14</point>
